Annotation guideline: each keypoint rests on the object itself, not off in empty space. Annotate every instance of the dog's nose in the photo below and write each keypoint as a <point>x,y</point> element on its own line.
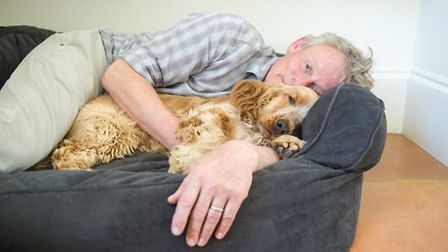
<point>281,127</point>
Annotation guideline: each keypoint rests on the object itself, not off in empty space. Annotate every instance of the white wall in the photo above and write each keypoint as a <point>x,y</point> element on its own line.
<point>368,23</point>
<point>426,114</point>
<point>431,54</point>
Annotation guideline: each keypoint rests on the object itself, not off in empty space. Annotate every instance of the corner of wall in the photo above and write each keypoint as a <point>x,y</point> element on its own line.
<point>426,113</point>
<point>390,86</point>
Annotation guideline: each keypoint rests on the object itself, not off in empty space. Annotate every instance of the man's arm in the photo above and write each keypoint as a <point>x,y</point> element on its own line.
<point>222,179</point>
<point>137,97</point>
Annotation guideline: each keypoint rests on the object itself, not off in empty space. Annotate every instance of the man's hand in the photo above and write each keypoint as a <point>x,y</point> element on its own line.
<point>220,180</point>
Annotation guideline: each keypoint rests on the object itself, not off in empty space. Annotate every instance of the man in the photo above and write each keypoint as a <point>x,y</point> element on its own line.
<point>205,54</point>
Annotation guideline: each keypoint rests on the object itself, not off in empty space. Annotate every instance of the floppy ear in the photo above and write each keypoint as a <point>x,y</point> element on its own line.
<point>296,45</point>
<point>245,97</point>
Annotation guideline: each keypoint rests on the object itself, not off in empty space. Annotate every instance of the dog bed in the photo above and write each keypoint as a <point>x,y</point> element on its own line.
<point>309,202</point>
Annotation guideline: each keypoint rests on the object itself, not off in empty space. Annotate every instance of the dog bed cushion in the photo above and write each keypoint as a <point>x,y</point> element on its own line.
<point>309,202</point>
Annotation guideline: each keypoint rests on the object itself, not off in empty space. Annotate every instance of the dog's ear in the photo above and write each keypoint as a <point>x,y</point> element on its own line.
<point>245,97</point>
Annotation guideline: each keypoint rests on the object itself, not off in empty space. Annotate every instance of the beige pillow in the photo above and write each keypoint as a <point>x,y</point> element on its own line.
<point>42,97</point>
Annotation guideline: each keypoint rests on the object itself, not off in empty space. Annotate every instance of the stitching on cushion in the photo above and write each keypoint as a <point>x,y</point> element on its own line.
<point>371,140</point>
<point>324,123</point>
<point>91,188</point>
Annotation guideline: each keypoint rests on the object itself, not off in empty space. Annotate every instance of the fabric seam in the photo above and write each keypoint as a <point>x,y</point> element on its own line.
<point>324,123</point>
<point>372,136</point>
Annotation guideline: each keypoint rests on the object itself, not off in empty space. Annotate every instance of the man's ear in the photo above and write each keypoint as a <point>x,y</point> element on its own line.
<point>296,45</point>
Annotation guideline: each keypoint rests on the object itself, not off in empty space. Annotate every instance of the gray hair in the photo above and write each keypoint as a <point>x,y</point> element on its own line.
<point>357,67</point>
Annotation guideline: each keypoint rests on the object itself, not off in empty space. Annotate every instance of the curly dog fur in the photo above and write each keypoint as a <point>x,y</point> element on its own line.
<point>260,113</point>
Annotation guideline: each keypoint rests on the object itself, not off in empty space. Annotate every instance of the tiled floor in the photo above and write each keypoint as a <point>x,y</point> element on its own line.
<point>404,204</point>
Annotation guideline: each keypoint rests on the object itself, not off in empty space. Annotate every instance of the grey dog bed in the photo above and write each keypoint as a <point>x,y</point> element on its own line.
<point>309,202</point>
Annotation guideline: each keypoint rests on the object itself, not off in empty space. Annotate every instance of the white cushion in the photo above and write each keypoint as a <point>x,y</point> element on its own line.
<point>39,102</point>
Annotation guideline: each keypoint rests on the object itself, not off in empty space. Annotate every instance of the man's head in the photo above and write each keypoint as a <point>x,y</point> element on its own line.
<point>321,63</point>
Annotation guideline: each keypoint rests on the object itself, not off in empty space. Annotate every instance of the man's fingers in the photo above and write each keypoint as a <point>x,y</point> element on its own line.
<point>229,214</point>
<point>185,203</point>
<point>215,212</point>
<point>173,198</point>
<point>197,217</point>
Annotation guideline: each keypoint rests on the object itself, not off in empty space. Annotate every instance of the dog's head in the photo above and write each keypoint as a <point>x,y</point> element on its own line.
<point>275,109</point>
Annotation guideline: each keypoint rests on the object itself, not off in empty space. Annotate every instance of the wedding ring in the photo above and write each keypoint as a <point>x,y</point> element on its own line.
<point>217,209</point>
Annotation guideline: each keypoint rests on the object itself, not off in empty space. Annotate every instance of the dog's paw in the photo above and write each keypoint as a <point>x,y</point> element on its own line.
<point>176,166</point>
<point>188,129</point>
<point>68,157</point>
<point>287,145</point>
<point>179,160</point>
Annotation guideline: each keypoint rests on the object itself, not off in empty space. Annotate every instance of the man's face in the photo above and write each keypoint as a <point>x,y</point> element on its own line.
<point>319,67</point>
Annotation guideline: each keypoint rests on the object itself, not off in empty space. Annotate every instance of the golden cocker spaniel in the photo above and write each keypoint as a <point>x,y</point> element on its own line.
<point>254,111</point>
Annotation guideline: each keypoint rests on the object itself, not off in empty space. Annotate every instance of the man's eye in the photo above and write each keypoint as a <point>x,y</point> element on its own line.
<point>307,67</point>
<point>292,101</point>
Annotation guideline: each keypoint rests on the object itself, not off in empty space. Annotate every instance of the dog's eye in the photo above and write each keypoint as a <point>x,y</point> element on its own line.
<point>292,101</point>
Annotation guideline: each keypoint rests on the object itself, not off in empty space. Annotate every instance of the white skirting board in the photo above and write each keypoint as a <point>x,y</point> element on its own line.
<point>426,113</point>
<point>416,104</point>
<point>390,86</point>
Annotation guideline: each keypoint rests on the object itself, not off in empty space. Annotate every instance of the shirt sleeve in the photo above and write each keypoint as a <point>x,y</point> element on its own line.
<point>194,44</point>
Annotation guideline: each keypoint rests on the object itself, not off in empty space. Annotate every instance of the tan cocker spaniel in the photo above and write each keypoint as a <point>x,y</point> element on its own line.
<point>254,111</point>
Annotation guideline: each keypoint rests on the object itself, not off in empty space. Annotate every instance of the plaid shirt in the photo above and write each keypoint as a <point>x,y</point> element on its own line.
<point>204,54</point>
